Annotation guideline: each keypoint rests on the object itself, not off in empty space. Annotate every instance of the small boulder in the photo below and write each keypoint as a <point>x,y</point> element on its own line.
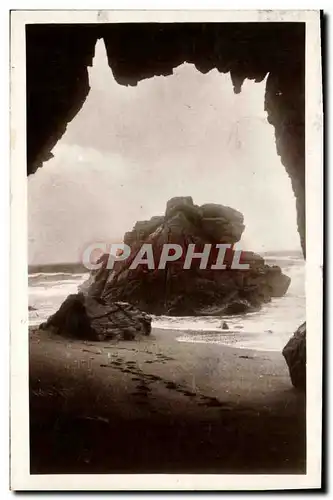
<point>224,325</point>
<point>294,353</point>
<point>85,317</point>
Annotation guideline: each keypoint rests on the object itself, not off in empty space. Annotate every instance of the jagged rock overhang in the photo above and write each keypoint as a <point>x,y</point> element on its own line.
<point>57,75</point>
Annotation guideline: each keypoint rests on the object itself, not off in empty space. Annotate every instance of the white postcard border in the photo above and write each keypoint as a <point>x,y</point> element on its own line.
<point>20,475</point>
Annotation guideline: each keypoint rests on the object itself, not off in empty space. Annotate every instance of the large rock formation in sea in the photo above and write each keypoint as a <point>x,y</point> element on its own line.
<point>294,353</point>
<point>178,291</point>
<point>84,317</point>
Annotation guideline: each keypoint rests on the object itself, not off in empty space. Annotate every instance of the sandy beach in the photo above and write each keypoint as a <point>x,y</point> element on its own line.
<point>161,406</point>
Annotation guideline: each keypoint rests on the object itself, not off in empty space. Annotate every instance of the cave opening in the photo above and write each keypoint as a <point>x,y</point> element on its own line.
<point>57,76</point>
<point>132,148</point>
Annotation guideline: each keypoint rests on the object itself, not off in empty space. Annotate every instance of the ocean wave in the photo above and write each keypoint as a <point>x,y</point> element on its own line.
<point>55,284</point>
<point>35,276</point>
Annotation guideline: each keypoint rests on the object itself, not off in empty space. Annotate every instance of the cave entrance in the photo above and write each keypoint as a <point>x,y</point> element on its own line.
<point>130,149</point>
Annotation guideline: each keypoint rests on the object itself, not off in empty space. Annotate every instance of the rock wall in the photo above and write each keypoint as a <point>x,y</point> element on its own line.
<point>294,353</point>
<point>57,79</point>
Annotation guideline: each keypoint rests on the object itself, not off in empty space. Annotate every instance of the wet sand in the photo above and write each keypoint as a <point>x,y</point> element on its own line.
<point>161,406</point>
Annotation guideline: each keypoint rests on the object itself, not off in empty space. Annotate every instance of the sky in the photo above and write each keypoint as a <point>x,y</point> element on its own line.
<point>130,149</point>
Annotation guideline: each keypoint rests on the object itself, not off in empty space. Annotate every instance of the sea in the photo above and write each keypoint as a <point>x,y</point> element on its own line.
<point>268,329</point>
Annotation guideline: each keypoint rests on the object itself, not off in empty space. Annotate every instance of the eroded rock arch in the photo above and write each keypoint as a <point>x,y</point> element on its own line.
<point>57,75</point>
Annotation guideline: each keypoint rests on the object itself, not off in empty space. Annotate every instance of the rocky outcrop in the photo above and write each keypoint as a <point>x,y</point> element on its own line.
<point>178,291</point>
<point>84,317</point>
<point>295,356</point>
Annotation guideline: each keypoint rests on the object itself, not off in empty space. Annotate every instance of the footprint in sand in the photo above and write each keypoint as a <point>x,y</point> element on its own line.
<point>142,390</point>
<point>171,385</point>
<point>143,387</point>
<point>189,394</point>
<point>212,402</point>
<point>153,378</point>
<point>164,357</point>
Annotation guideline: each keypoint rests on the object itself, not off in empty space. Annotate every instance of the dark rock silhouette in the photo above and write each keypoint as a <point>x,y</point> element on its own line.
<point>178,291</point>
<point>84,317</point>
<point>295,356</point>
<point>246,50</point>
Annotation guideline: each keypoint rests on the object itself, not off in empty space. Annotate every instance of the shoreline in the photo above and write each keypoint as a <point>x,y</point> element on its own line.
<point>236,335</point>
<point>158,405</point>
<point>178,332</point>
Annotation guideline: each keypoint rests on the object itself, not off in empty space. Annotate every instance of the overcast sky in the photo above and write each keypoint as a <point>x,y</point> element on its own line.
<point>130,149</point>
